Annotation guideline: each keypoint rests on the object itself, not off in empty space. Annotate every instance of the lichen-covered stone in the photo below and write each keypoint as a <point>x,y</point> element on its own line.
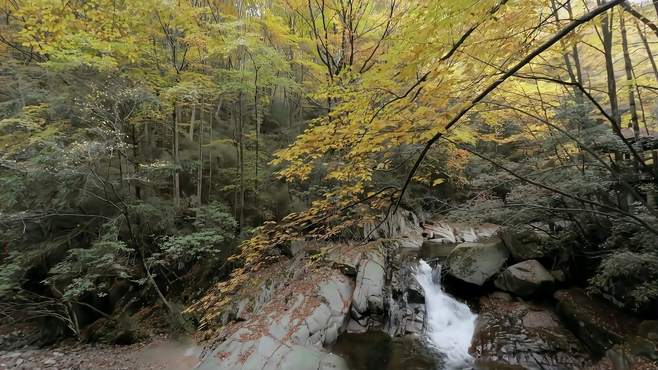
<point>476,263</point>
<point>594,321</point>
<point>525,279</point>
<point>519,335</point>
<point>525,244</point>
<point>370,281</point>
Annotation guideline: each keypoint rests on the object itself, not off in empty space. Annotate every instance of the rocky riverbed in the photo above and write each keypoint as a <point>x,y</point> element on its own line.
<point>359,306</point>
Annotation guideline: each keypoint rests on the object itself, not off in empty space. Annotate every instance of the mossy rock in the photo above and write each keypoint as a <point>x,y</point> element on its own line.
<point>597,323</point>
<point>476,263</point>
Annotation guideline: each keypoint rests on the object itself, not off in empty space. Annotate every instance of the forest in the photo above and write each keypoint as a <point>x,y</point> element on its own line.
<point>329,184</point>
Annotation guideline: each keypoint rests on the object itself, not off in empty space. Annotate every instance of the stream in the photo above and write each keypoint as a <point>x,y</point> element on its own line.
<point>449,327</point>
<point>450,324</point>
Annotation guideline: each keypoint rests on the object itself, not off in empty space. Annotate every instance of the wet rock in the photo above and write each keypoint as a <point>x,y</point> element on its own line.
<point>525,279</point>
<point>475,263</point>
<point>559,276</point>
<point>518,335</point>
<point>540,319</point>
<point>640,351</point>
<point>403,297</point>
<point>619,358</point>
<point>415,293</point>
<point>501,296</point>
<point>648,329</point>
<point>596,322</point>
<point>525,244</point>
<point>643,347</point>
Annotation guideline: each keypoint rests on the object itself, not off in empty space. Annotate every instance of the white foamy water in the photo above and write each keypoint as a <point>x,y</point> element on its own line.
<point>450,323</point>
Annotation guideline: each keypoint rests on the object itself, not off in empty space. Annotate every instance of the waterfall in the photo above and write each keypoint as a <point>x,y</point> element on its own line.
<point>449,323</point>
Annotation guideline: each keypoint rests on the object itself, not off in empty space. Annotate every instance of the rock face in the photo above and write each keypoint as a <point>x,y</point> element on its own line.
<point>525,279</point>
<point>387,296</point>
<point>405,299</point>
<point>476,263</point>
<point>597,323</point>
<point>518,335</point>
<point>289,331</point>
<point>370,280</point>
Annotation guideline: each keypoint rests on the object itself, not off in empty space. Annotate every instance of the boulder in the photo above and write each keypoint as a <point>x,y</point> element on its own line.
<point>404,298</point>
<point>648,329</point>
<point>289,331</point>
<point>559,275</point>
<point>597,323</point>
<point>370,281</point>
<point>519,335</point>
<point>432,249</point>
<point>525,279</point>
<point>525,244</point>
<point>267,353</point>
<point>475,263</point>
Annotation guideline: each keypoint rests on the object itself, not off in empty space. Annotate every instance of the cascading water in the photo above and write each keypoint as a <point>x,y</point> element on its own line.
<point>449,323</point>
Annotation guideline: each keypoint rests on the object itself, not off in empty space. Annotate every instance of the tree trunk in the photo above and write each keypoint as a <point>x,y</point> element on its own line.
<point>606,31</point>
<point>138,189</point>
<point>241,146</point>
<point>176,190</point>
<point>643,37</point>
<point>257,130</point>
<point>628,66</point>
<point>641,103</point>
<point>576,60</point>
<point>199,185</point>
<point>210,154</point>
<point>190,135</point>
<point>236,192</point>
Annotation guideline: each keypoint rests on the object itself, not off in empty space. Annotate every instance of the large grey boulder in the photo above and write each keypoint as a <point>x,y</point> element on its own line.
<point>595,322</point>
<point>370,280</point>
<point>476,263</point>
<point>520,335</point>
<point>268,353</point>
<point>435,249</point>
<point>526,244</point>
<point>290,330</point>
<point>525,278</point>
